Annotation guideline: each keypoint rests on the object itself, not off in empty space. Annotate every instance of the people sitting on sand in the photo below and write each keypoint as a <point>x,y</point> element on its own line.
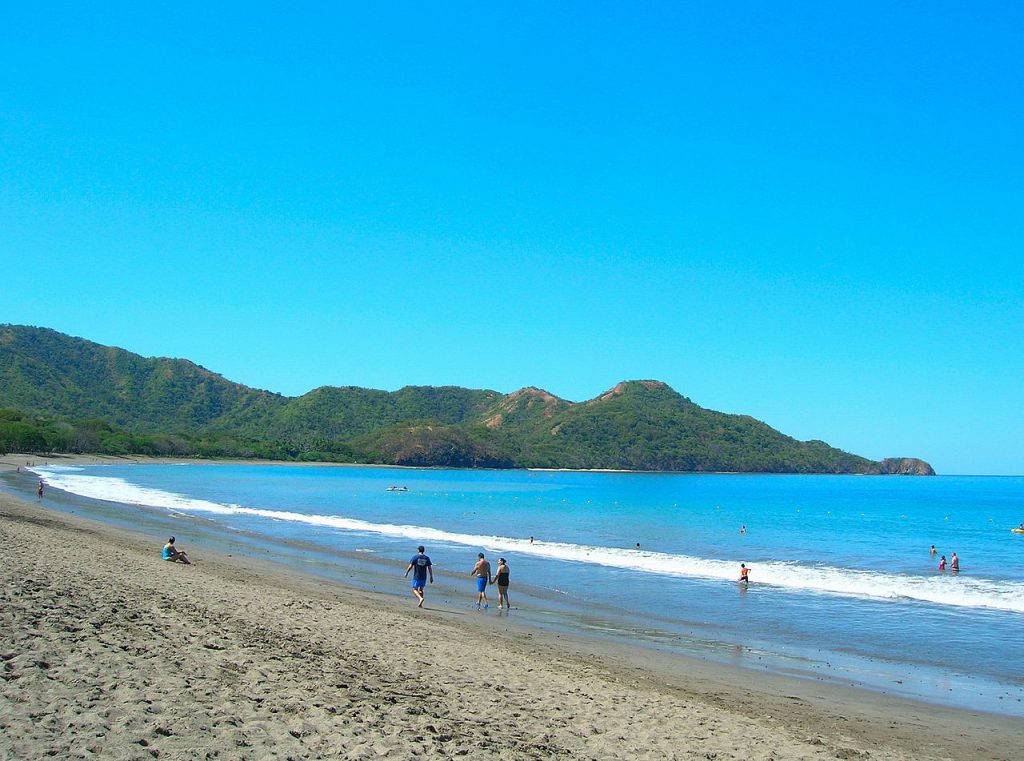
<point>173,554</point>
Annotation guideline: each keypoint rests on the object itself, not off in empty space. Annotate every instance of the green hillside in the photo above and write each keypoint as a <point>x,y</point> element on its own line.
<point>48,372</point>
<point>645,425</point>
<point>60,393</point>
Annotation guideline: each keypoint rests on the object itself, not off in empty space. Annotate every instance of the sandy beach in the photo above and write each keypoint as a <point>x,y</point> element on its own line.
<point>109,652</point>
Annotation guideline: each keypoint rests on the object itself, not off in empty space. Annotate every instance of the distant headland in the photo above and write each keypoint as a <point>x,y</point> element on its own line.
<point>64,394</point>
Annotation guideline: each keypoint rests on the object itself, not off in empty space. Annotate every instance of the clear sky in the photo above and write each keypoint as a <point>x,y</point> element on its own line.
<point>810,213</point>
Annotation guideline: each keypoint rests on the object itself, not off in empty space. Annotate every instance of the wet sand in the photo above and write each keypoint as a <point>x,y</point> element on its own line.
<point>109,652</point>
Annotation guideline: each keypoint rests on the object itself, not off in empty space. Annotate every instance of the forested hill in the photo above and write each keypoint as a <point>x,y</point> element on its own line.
<point>59,393</point>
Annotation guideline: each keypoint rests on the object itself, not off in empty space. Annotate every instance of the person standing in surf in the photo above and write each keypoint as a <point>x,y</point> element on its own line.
<point>482,571</point>
<point>954,563</point>
<point>422,569</point>
<point>744,573</point>
<point>501,579</point>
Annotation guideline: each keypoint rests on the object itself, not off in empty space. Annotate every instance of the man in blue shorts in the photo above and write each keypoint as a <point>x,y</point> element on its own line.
<point>421,569</point>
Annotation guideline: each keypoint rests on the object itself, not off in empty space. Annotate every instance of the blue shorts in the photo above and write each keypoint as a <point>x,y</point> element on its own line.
<point>481,583</point>
<point>419,583</point>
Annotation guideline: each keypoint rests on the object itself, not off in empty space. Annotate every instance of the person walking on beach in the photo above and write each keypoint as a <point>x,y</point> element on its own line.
<point>744,573</point>
<point>173,554</point>
<point>954,563</point>
<point>482,571</point>
<point>421,568</point>
<point>39,490</point>
<point>501,579</point>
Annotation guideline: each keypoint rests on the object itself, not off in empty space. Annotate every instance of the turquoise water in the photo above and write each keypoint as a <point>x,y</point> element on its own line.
<point>843,586</point>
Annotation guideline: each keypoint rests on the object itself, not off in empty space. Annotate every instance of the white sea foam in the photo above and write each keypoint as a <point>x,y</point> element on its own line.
<point>961,591</point>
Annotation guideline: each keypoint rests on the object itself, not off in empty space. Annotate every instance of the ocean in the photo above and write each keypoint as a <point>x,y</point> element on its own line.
<point>843,585</point>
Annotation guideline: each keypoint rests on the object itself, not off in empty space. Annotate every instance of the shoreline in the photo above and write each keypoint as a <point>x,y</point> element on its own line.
<point>99,459</point>
<point>224,619</point>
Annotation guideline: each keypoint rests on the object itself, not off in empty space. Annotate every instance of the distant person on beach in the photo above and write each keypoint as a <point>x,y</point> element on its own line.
<point>482,572</point>
<point>173,554</point>
<point>39,490</point>
<point>744,573</point>
<point>942,563</point>
<point>501,579</point>
<point>421,568</point>
<point>954,563</point>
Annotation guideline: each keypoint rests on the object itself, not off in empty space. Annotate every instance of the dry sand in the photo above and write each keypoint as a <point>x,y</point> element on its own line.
<point>109,652</point>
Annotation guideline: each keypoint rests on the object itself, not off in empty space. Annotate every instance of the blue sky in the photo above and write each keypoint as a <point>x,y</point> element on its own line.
<point>806,212</point>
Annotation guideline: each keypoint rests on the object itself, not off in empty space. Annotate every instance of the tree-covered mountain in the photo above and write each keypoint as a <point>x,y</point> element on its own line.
<point>68,394</point>
<point>44,371</point>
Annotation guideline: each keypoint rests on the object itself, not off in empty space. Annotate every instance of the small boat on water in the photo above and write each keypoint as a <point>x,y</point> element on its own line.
<point>397,488</point>
<point>1018,530</point>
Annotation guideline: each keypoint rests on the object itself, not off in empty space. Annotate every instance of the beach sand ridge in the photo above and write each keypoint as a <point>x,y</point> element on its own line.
<point>109,652</point>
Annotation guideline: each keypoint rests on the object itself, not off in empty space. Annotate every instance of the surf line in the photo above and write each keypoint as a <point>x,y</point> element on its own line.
<point>967,592</point>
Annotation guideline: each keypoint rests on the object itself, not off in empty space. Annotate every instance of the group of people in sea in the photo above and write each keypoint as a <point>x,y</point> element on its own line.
<point>954,561</point>
<point>422,569</point>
